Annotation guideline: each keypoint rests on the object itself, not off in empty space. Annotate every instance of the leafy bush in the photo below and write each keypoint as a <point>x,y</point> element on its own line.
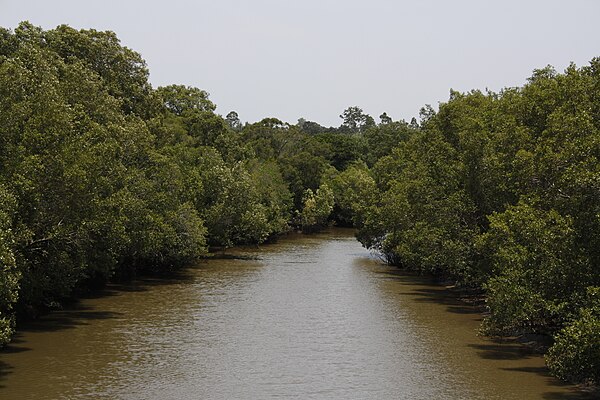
<point>575,355</point>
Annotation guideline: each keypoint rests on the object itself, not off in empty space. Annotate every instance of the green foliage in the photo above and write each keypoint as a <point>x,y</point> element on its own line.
<point>100,175</point>
<point>241,203</point>
<point>355,120</point>
<point>273,196</point>
<point>304,168</point>
<point>342,149</point>
<point>9,274</point>
<point>310,127</point>
<point>317,208</point>
<point>383,138</point>
<point>501,192</point>
<point>575,355</point>
<point>422,218</point>
<point>533,270</point>
<point>123,71</point>
<point>271,139</point>
<point>178,99</point>
<point>354,191</point>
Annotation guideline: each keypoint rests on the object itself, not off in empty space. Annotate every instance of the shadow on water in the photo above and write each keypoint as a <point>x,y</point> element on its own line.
<point>224,255</point>
<point>68,318</point>
<point>5,369</point>
<point>75,313</point>
<point>503,350</point>
<point>14,347</point>
<point>496,348</point>
<point>573,393</point>
<point>447,298</point>
<point>436,292</point>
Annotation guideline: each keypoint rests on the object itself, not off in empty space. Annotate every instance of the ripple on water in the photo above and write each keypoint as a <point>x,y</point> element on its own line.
<point>310,317</point>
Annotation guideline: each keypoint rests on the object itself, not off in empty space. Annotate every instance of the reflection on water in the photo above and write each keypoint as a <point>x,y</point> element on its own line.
<point>311,317</point>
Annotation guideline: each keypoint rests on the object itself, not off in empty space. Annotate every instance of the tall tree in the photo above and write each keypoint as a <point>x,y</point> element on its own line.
<point>354,119</point>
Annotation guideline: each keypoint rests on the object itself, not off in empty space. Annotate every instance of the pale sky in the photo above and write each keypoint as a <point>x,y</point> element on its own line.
<point>314,58</point>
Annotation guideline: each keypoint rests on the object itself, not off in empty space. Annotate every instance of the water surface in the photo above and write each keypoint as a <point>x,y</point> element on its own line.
<point>310,317</point>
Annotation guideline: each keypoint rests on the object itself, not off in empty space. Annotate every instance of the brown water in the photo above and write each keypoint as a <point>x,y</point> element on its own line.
<point>312,317</point>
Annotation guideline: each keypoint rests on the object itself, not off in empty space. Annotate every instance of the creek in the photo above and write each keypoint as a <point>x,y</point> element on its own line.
<point>309,317</point>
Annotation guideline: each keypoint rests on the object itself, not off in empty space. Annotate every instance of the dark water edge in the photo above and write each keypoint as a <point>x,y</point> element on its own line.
<point>354,326</point>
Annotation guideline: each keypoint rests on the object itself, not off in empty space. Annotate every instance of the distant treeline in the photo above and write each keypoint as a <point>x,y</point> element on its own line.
<point>103,176</point>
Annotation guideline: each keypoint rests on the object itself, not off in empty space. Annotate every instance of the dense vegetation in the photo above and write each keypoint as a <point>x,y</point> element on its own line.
<point>103,176</point>
<point>501,191</point>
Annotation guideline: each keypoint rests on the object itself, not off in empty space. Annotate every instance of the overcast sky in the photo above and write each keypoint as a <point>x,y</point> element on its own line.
<point>314,58</point>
